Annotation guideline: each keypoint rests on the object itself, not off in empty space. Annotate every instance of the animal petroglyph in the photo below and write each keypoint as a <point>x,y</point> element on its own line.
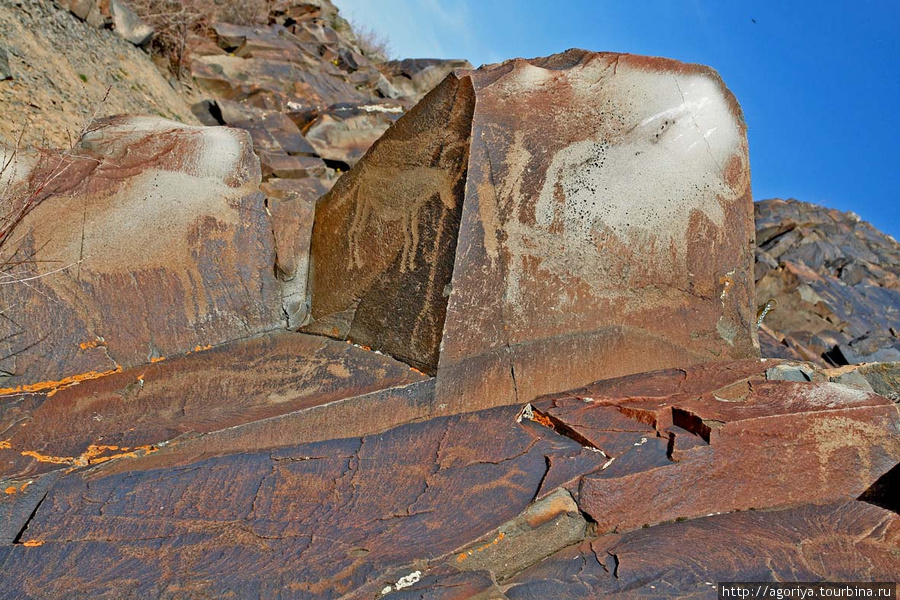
<point>385,198</point>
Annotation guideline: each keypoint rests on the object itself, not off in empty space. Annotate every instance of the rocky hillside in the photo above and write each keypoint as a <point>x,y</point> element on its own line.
<point>834,282</point>
<point>59,69</point>
<point>412,330</point>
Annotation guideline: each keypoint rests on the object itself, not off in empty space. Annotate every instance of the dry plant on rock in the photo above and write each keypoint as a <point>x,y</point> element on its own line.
<point>177,21</point>
<point>372,44</point>
<point>26,179</point>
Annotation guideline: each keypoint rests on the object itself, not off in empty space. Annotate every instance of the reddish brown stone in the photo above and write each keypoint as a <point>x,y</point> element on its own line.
<point>565,263</point>
<point>373,511</point>
<point>850,541</point>
<point>383,241</point>
<point>150,239</point>
<point>133,412</point>
<point>751,443</point>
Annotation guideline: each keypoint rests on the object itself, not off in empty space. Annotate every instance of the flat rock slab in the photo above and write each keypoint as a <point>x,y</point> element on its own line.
<point>150,238</point>
<point>304,521</point>
<point>501,501</point>
<point>533,224</point>
<point>851,541</point>
<point>137,410</point>
<point>751,443</point>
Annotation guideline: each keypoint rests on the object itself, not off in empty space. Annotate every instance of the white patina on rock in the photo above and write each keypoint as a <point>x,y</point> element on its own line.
<point>642,177</point>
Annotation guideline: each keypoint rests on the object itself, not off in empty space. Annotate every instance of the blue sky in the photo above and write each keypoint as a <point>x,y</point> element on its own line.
<point>819,81</point>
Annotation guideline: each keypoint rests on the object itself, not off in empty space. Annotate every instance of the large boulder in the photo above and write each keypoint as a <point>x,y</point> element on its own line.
<point>532,224</point>
<point>149,239</point>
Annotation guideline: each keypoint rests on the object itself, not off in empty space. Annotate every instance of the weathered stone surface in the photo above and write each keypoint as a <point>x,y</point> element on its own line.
<point>836,281</point>
<point>292,206</point>
<point>486,505</point>
<point>344,132</point>
<point>128,25</point>
<point>137,410</point>
<point>149,240</point>
<point>5,72</point>
<point>850,541</point>
<point>680,455</point>
<point>365,508</point>
<point>384,237</point>
<point>580,249</point>
<point>110,13</point>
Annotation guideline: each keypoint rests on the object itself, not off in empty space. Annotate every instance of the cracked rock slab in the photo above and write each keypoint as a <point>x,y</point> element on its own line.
<point>138,410</point>
<point>844,541</point>
<point>751,443</point>
<point>318,520</point>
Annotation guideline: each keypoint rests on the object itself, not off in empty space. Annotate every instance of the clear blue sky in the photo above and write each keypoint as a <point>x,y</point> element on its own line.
<point>819,80</point>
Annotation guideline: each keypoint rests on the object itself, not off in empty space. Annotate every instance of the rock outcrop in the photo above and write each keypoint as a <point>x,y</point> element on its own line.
<point>834,281</point>
<point>504,502</point>
<point>514,245</point>
<point>566,223</point>
<point>113,14</point>
<point>148,240</point>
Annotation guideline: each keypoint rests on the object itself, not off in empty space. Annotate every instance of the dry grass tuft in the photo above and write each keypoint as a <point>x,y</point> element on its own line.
<point>175,21</point>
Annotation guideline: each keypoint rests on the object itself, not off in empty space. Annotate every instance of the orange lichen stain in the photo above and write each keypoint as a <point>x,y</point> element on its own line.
<point>493,542</point>
<point>54,386</point>
<point>95,454</point>
<point>5,445</point>
<point>32,544</point>
<point>157,359</point>
<point>464,555</point>
<point>543,420</point>
<point>11,490</point>
<point>415,370</point>
<point>202,348</point>
<point>94,344</point>
<point>25,485</point>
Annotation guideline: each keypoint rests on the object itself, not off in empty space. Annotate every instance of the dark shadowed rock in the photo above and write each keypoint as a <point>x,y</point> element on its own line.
<point>384,238</point>
<point>557,261</point>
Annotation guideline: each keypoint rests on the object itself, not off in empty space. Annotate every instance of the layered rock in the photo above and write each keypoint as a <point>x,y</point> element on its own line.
<point>497,503</point>
<point>835,283</point>
<point>148,240</point>
<point>549,236</point>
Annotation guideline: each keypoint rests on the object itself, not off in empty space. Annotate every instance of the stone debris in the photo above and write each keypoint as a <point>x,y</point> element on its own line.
<point>836,281</point>
<point>114,14</point>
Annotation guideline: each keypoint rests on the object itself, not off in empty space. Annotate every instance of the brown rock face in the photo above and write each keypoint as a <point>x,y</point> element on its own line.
<point>149,240</point>
<point>384,239</point>
<point>499,503</point>
<point>592,205</point>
